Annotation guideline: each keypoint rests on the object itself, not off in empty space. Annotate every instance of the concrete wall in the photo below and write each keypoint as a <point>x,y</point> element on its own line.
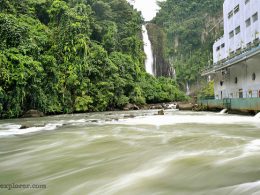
<point>246,104</point>
<point>246,35</point>
<point>245,83</point>
<point>219,50</point>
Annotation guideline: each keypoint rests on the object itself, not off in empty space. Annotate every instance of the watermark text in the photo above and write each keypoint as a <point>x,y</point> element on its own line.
<point>12,186</point>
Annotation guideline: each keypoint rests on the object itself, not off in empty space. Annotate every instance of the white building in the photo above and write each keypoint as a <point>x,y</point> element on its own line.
<point>236,55</point>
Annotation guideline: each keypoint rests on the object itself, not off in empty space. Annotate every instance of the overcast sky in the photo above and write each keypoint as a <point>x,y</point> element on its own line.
<point>147,7</point>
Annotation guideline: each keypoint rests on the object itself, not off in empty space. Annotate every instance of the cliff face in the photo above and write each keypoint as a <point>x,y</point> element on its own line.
<point>158,39</point>
<point>185,33</point>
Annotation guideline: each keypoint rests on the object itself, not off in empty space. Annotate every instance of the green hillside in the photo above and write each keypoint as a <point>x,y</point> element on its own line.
<point>64,56</point>
<point>191,26</point>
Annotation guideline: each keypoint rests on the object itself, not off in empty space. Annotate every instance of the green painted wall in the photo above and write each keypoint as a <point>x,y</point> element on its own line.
<point>234,104</point>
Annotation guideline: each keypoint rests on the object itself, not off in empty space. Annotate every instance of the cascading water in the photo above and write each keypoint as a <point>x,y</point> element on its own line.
<point>148,51</point>
<point>187,89</point>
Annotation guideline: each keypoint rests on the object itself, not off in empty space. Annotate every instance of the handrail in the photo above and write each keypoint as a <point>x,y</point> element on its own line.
<point>236,95</point>
<point>244,54</point>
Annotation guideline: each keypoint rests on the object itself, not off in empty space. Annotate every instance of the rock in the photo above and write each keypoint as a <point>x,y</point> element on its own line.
<point>93,120</point>
<point>28,126</point>
<point>131,107</point>
<point>199,107</point>
<point>185,106</point>
<point>24,127</point>
<point>33,113</point>
<point>156,106</point>
<point>145,107</point>
<point>129,116</point>
<point>161,112</point>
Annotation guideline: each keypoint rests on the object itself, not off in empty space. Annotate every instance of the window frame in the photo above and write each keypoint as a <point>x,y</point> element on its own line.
<point>237,30</point>
<point>253,77</point>
<point>236,80</point>
<point>255,17</point>
<point>230,14</point>
<point>248,22</point>
<point>236,9</point>
<point>231,34</point>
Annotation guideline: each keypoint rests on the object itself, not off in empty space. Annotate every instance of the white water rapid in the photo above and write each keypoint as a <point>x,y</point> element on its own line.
<point>132,152</point>
<point>148,51</point>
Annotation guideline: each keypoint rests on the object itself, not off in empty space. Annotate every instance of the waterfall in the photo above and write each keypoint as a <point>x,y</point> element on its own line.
<point>209,78</point>
<point>174,73</point>
<point>187,89</point>
<point>148,51</point>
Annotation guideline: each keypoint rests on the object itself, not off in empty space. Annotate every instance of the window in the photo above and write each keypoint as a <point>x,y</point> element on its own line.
<point>231,34</point>
<point>253,76</point>
<point>248,22</point>
<point>236,80</point>
<point>236,9</point>
<point>221,83</point>
<point>218,48</point>
<point>247,1</point>
<point>222,45</point>
<point>240,93</point>
<point>255,17</point>
<point>237,30</point>
<point>230,14</point>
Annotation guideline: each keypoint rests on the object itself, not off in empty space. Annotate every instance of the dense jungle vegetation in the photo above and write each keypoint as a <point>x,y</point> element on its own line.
<point>64,56</point>
<point>190,27</point>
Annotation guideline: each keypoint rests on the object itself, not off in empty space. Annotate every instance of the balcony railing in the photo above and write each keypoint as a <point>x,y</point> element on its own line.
<point>234,58</point>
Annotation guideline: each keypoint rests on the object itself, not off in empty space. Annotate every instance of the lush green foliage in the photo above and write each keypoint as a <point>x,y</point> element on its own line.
<point>63,56</point>
<point>191,27</point>
<point>207,91</point>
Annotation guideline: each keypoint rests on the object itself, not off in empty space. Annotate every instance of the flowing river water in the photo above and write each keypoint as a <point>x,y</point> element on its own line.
<point>135,152</point>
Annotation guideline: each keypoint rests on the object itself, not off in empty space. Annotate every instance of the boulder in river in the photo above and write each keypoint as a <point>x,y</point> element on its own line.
<point>131,107</point>
<point>30,126</point>
<point>185,106</point>
<point>156,106</point>
<point>24,127</point>
<point>129,116</point>
<point>33,113</point>
<point>161,112</point>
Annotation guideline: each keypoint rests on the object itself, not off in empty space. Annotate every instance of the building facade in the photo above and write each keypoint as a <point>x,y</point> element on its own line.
<point>236,55</point>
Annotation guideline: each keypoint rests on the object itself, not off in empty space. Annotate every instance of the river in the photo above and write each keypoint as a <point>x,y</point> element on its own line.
<point>132,153</point>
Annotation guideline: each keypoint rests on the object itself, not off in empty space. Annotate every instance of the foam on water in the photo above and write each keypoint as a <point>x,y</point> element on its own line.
<point>189,119</point>
<point>224,111</point>
<point>9,129</point>
<point>253,146</point>
<point>249,149</point>
<point>257,115</point>
<point>252,188</point>
<point>15,129</point>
